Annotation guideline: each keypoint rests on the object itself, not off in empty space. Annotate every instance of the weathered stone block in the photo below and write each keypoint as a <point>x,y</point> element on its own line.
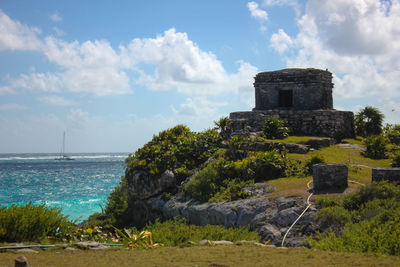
<point>388,174</point>
<point>328,176</point>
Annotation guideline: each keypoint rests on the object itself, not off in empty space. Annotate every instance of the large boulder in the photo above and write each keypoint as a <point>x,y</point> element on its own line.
<point>144,186</point>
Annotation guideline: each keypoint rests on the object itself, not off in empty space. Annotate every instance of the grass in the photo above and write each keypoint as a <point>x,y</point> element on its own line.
<point>201,256</point>
<point>360,169</point>
<point>295,139</point>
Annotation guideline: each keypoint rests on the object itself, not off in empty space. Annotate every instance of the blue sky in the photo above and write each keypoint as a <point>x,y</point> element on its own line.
<point>111,74</point>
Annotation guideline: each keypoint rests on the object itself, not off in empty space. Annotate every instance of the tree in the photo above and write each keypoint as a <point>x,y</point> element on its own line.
<point>368,121</point>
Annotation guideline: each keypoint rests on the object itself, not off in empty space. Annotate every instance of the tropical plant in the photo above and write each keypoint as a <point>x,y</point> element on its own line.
<point>375,147</point>
<point>275,128</point>
<point>368,121</point>
<point>224,125</point>
<point>144,239</point>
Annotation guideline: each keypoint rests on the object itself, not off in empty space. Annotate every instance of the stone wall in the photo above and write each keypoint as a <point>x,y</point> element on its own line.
<point>329,123</point>
<point>299,89</point>
<point>388,174</point>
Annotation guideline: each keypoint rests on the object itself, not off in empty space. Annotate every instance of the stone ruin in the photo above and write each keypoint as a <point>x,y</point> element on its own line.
<point>303,97</point>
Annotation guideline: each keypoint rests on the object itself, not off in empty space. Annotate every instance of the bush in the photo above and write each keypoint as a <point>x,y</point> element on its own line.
<point>371,217</point>
<point>375,147</point>
<point>316,159</point>
<point>392,133</point>
<point>220,177</point>
<point>335,217</point>
<point>32,223</point>
<point>381,190</point>
<point>177,233</point>
<point>368,121</point>
<point>275,128</point>
<point>396,160</point>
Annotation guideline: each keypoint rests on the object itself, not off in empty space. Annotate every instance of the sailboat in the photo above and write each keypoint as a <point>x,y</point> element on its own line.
<point>62,154</point>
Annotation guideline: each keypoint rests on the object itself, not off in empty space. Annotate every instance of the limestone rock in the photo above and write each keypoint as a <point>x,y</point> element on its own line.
<point>287,216</point>
<point>221,242</point>
<point>320,143</point>
<point>143,185</point>
<point>269,232</point>
<point>21,261</point>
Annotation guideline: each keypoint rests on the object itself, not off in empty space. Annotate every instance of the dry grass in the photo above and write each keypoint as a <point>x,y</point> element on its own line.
<point>201,256</point>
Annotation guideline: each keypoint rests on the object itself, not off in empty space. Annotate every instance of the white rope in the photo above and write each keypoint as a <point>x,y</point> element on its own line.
<point>308,206</point>
<point>298,218</point>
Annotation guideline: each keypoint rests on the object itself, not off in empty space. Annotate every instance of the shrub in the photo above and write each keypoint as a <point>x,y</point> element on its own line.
<point>392,133</point>
<point>381,190</point>
<point>371,217</point>
<point>220,177</point>
<point>224,125</point>
<point>32,223</point>
<point>328,201</point>
<point>368,121</point>
<point>177,233</point>
<point>275,128</point>
<point>314,160</point>
<point>375,147</point>
<point>231,190</point>
<point>396,160</point>
<point>335,217</point>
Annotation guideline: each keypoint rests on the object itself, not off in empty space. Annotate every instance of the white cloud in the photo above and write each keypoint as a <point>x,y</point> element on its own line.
<point>96,68</point>
<point>56,17</point>
<point>58,31</point>
<point>281,41</point>
<point>6,90</point>
<point>16,36</point>
<point>57,100</point>
<point>12,106</point>
<point>359,41</point>
<point>179,63</point>
<point>256,12</point>
<point>46,82</point>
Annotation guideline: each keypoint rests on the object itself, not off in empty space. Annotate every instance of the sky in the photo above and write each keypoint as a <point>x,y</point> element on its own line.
<point>111,74</point>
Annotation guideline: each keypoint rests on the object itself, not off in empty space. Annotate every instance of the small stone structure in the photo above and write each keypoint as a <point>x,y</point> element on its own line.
<point>388,174</point>
<point>328,176</point>
<point>303,97</point>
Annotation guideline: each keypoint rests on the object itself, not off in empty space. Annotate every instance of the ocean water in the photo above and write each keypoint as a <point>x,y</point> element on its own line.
<point>79,187</point>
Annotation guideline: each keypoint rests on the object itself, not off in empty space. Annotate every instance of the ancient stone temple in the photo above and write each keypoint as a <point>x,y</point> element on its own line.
<point>303,97</point>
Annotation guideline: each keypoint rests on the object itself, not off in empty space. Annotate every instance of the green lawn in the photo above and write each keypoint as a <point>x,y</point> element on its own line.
<point>201,256</point>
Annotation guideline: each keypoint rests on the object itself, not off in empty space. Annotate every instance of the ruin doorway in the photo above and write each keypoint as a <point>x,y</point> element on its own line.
<point>285,98</point>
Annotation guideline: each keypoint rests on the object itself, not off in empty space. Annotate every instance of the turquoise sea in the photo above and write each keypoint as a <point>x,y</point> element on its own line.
<point>79,187</point>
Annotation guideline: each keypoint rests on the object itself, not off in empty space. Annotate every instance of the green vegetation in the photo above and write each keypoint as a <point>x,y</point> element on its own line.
<point>315,159</point>
<point>222,178</point>
<point>365,221</point>
<point>396,160</point>
<point>177,233</point>
<point>200,256</point>
<point>224,126</point>
<point>375,147</point>
<point>275,128</point>
<point>368,121</point>
<point>392,133</point>
<point>32,223</point>
<point>176,149</point>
